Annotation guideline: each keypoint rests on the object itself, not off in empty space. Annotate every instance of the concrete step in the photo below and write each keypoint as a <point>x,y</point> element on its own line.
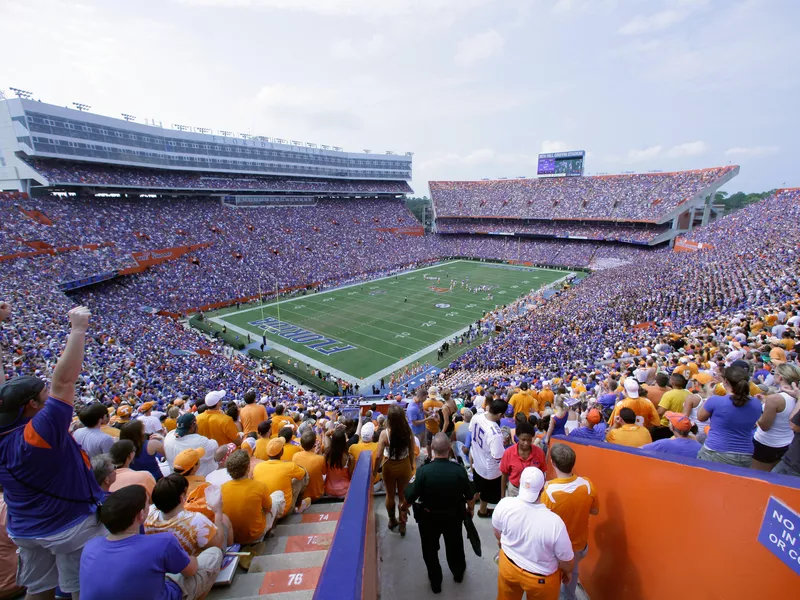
<point>297,543</point>
<point>325,507</point>
<point>305,528</point>
<point>280,562</point>
<point>286,584</point>
<point>311,517</point>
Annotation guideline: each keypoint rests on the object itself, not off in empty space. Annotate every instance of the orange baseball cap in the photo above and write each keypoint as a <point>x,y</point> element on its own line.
<point>124,411</point>
<point>703,378</point>
<point>146,406</point>
<point>593,417</point>
<point>275,447</point>
<point>679,420</point>
<point>188,458</point>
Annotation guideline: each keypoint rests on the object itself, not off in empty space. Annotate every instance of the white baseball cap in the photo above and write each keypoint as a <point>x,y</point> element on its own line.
<point>367,431</point>
<point>213,398</point>
<point>632,388</point>
<point>531,483</point>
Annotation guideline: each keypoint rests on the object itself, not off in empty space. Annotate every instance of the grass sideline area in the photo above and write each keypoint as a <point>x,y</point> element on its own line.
<point>365,331</point>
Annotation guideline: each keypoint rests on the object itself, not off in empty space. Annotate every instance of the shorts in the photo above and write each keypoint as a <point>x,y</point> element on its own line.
<point>54,561</point>
<point>489,489</point>
<point>767,454</point>
<point>429,436</point>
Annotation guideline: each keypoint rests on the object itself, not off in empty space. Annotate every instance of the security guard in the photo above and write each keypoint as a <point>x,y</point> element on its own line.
<point>443,491</point>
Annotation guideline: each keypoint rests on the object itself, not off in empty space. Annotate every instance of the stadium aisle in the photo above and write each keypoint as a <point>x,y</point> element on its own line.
<point>401,571</point>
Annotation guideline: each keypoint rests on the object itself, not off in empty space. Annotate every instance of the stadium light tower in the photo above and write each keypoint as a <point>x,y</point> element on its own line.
<point>80,106</point>
<point>203,129</point>
<point>25,95</point>
<point>224,133</point>
<point>128,117</point>
<point>409,154</point>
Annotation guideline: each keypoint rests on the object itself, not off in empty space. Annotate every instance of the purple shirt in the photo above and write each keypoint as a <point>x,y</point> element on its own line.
<point>677,445</point>
<point>731,426</point>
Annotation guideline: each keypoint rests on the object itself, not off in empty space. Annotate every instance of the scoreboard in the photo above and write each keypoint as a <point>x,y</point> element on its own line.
<point>569,164</point>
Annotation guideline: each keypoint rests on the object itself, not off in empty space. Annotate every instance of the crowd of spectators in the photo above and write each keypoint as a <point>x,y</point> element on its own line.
<point>118,176</point>
<point>633,197</point>
<point>620,232</point>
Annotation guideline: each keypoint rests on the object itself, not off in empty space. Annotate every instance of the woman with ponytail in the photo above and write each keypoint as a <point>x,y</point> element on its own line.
<point>733,419</point>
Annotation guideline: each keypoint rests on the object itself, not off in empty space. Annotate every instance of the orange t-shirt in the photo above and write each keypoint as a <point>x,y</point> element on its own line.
<point>278,475</point>
<point>217,426</point>
<point>642,407</point>
<point>170,424</point>
<point>245,501</point>
<point>289,450</point>
<point>428,405</point>
<point>317,468</point>
<point>278,423</point>
<point>545,396</point>
<point>522,402</point>
<point>251,416</point>
<point>571,498</point>
<point>629,435</point>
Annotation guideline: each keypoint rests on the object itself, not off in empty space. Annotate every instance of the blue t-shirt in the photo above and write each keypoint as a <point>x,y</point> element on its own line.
<point>132,568</point>
<point>415,413</point>
<point>598,432</point>
<point>731,426</point>
<point>47,480</point>
<point>608,400</point>
<point>680,446</point>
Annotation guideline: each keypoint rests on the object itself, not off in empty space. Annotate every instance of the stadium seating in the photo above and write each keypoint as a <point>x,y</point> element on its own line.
<point>636,197</point>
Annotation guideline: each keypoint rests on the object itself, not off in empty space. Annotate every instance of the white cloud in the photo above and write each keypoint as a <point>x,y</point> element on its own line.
<point>353,8</point>
<point>752,151</point>
<point>307,107</point>
<point>481,156</point>
<point>645,154</point>
<point>688,149</point>
<point>359,49</point>
<point>554,146</point>
<point>479,47</point>
<point>563,6</point>
<point>656,22</point>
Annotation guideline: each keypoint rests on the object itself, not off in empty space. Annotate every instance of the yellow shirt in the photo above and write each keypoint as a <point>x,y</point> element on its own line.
<point>251,416</point>
<point>112,431</point>
<point>522,403</point>
<point>317,468</point>
<point>673,401</point>
<point>279,422</point>
<point>629,435</point>
<point>245,501</point>
<point>289,450</point>
<point>571,498</point>
<point>170,424</point>
<point>260,451</point>
<point>278,475</point>
<point>356,450</point>
<point>427,406</point>
<point>545,396</point>
<point>217,426</point>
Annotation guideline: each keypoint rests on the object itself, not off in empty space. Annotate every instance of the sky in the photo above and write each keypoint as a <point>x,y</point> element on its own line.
<point>474,88</point>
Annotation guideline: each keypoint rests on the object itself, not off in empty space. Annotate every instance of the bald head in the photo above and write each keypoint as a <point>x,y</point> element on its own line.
<point>440,446</point>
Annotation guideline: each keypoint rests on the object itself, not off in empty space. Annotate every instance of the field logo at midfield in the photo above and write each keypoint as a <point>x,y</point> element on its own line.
<point>296,334</point>
<point>442,305</point>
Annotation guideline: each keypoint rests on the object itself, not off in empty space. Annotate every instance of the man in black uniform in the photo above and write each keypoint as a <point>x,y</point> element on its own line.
<point>443,491</point>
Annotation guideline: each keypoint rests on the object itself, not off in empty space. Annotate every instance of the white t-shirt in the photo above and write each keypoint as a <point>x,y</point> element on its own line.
<point>174,445</point>
<point>479,403</point>
<point>487,446</point>
<point>532,536</point>
<point>151,424</point>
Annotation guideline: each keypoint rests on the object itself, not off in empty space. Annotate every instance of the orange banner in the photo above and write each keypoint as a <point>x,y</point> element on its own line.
<point>684,245</point>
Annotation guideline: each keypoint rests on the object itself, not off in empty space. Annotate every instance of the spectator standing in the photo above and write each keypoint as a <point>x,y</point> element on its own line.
<point>416,416</point>
<point>445,498</point>
<point>288,477</point>
<point>790,463</point>
<point>592,426</point>
<point>626,432</point>
<point>773,430</point>
<point>486,453</point>
<point>518,457</point>
<point>338,465</point>
<point>126,565</point>
<point>396,455</point>
<point>185,437</point>
<point>523,401</point>
<point>535,550</point>
<point>216,425</point>
<point>671,401</point>
<point>279,420</point>
<point>681,443</point>
<point>642,407</point>
<point>733,418</point>
<point>91,437</point>
<point>252,414</point>
<point>248,504</point>
<point>430,407</point>
<point>572,498</point>
<point>8,557</point>
<point>152,424</point>
<point>313,463</point>
<point>50,491</point>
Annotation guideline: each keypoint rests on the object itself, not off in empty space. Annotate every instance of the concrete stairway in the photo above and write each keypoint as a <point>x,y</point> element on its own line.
<point>287,565</point>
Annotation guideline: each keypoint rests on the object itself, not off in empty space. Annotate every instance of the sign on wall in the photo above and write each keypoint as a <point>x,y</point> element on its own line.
<point>780,533</point>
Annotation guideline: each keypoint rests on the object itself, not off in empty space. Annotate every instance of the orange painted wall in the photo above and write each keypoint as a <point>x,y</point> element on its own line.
<point>668,530</point>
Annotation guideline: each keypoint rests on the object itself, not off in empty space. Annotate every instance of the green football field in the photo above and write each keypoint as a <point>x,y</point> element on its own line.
<point>366,331</point>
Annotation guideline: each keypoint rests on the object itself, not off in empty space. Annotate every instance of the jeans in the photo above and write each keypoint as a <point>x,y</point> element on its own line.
<point>568,589</point>
<point>736,459</point>
<point>783,469</point>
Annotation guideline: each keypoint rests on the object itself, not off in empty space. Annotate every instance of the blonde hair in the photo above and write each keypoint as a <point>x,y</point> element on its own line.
<point>789,372</point>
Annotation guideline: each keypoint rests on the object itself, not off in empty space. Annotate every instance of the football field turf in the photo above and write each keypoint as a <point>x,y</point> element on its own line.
<point>366,331</point>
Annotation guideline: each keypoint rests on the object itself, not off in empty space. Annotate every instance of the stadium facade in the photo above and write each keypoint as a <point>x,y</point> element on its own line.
<point>38,139</point>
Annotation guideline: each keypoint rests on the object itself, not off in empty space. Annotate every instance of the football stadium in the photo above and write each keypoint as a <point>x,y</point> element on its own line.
<point>235,366</point>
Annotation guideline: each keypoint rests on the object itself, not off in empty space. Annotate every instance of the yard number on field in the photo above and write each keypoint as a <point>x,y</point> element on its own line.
<point>295,578</point>
<point>429,324</point>
<point>405,334</point>
<point>328,299</point>
<point>471,306</point>
<point>451,314</point>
